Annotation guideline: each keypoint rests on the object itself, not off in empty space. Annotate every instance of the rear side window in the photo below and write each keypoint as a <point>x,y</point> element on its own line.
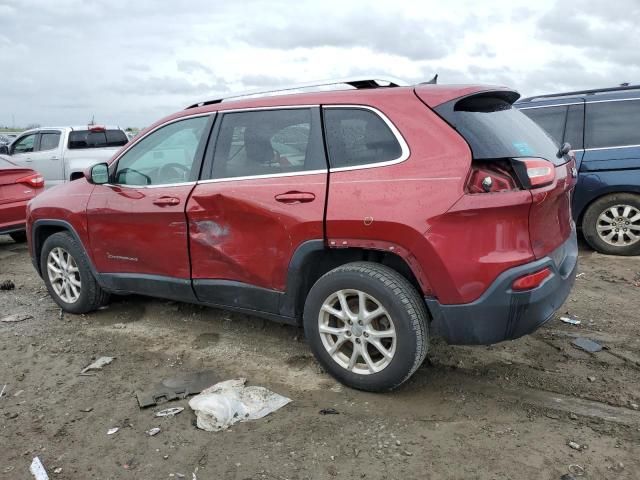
<point>612,124</point>
<point>356,136</point>
<point>494,128</point>
<point>49,141</point>
<point>551,119</point>
<point>97,139</point>
<point>574,132</point>
<point>268,142</point>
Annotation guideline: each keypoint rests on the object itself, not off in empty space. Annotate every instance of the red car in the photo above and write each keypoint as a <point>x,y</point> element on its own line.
<point>18,185</point>
<point>374,216</point>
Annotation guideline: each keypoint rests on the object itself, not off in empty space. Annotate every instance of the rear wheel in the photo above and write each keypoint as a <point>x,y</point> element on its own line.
<point>67,275</point>
<point>19,237</point>
<point>611,224</point>
<point>367,326</point>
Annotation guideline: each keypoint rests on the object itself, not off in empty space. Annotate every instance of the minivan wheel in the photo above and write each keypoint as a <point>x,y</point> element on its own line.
<point>367,326</point>
<point>19,237</point>
<point>67,275</point>
<point>612,224</point>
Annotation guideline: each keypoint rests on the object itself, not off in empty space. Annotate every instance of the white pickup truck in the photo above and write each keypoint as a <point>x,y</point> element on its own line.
<point>61,154</point>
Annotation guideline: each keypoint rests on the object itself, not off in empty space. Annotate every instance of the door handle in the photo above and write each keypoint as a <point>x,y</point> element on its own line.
<point>55,158</point>
<point>165,201</point>
<point>28,160</point>
<point>295,197</point>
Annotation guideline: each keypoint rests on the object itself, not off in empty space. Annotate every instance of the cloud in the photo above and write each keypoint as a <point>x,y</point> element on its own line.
<point>192,66</point>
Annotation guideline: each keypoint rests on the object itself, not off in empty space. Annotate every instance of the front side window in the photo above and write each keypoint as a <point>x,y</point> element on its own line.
<point>356,136</point>
<point>165,156</point>
<point>551,119</point>
<point>24,144</point>
<point>267,142</point>
<point>612,124</point>
<point>49,141</point>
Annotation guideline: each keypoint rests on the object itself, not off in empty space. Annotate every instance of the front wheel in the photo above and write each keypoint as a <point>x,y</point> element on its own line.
<point>367,326</point>
<point>67,275</point>
<point>611,224</point>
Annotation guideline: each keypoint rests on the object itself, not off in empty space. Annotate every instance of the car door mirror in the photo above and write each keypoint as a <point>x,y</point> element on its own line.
<point>564,149</point>
<point>99,174</point>
<point>4,149</point>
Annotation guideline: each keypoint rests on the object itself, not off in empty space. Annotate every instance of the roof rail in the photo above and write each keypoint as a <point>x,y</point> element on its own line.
<point>361,82</point>
<point>583,92</point>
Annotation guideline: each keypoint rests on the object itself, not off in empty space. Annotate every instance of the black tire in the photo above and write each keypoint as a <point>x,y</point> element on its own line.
<point>591,219</point>
<point>404,305</point>
<point>91,295</point>
<point>19,237</point>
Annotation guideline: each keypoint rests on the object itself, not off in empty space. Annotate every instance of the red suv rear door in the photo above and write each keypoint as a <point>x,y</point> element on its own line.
<point>137,223</point>
<point>262,195</point>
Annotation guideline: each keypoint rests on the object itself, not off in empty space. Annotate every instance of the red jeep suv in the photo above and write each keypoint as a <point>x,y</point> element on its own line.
<point>374,216</point>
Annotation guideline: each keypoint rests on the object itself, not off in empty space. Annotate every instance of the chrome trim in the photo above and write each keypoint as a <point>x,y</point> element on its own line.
<point>149,186</point>
<point>277,107</point>
<point>258,177</point>
<point>548,106</point>
<point>615,100</point>
<point>604,148</point>
<point>403,144</point>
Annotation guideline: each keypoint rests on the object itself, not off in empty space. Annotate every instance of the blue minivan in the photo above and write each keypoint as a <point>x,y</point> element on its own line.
<point>603,128</point>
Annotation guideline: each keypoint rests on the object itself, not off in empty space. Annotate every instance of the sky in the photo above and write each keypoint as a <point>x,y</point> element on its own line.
<point>130,63</point>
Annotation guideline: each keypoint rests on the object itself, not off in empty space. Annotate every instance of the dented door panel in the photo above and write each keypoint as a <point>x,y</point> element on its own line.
<point>240,231</point>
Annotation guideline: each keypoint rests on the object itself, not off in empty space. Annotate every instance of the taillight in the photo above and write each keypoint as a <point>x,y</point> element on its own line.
<point>96,128</point>
<point>534,172</point>
<point>531,281</point>
<point>35,180</point>
<point>490,177</point>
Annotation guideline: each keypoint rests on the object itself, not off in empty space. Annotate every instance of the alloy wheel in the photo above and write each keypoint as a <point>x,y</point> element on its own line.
<point>64,275</point>
<point>619,225</point>
<point>357,332</point>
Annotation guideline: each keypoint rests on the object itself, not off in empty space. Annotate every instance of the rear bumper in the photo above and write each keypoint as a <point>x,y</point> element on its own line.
<point>503,314</point>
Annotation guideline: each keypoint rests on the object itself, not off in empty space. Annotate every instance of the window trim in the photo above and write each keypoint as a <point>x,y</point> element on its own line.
<point>208,163</point>
<point>405,153</point>
<point>129,145</point>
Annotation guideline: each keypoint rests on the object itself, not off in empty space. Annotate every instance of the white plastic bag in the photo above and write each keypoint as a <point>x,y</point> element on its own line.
<point>229,402</point>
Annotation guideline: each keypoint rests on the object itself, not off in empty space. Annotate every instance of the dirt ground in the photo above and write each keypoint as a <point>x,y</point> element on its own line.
<point>501,412</point>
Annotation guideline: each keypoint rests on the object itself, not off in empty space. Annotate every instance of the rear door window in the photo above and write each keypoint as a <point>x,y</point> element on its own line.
<point>494,128</point>
<point>268,142</point>
<point>612,124</point>
<point>357,136</point>
<point>551,119</point>
<point>79,139</point>
<point>49,141</point>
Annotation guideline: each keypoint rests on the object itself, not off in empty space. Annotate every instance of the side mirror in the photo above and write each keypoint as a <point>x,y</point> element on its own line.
<point>99,174</point>
<point>564,149</point>
<point>4,149</point>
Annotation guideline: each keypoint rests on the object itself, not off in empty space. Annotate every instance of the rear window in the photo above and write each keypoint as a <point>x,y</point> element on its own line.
<point>612,124</point>
<point>551,119</point>
<point>494,128</point>
<point>100,139</point>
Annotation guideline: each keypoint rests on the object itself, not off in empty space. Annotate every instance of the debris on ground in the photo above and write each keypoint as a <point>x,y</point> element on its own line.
<point>3,389</point>
<point>568,476</point>
<point>591,379</point>
<point>153,431</point>
<point>97,365</point>
<point>176,388</point>
<point>329,411</point>
<point>7,285</point>
<point>86,410</point>
<point>15,317</point>
<point>38,470</point>
<point>57,470</point>
<point>169,412</point>
<point>113,430</point>
<point>586,345</point>
<point>570,320</point>
<point>576,470</point>
<point>229,402</point>
<point>575,445</point>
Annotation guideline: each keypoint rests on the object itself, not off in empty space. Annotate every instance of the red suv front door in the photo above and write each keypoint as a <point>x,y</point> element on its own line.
<point>137,223</point>
<point>263,196</point>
